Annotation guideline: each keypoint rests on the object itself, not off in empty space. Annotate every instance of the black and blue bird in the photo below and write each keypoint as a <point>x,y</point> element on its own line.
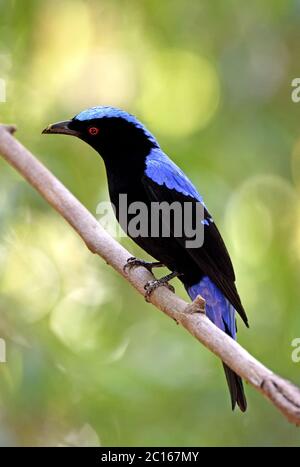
<point>137,166</point>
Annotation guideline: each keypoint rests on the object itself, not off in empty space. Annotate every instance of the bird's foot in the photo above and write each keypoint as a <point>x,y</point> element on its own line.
<point>135,262</point>
<point>150,286</point>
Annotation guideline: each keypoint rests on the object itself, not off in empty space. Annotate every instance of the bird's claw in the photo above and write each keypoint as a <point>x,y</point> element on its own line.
<point>150,286</point>
<point>133,262</point>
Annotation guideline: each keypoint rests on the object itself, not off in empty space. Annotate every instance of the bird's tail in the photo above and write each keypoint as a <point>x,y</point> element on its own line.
<point>222,314</point>
<point>236,389</point>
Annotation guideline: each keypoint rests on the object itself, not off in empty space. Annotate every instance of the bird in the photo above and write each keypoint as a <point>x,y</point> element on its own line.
<point>138,167</point>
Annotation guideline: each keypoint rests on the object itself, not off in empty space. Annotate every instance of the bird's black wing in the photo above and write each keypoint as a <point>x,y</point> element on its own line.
<point>170,184</point>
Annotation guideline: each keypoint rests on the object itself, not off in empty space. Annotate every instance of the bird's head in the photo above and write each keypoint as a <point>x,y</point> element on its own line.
<point>112,132</point>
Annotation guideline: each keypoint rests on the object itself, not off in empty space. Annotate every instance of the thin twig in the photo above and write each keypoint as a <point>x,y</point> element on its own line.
<point>283,394</point>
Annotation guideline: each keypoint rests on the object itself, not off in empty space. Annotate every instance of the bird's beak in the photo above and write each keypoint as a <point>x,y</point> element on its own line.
<point>60,128</point>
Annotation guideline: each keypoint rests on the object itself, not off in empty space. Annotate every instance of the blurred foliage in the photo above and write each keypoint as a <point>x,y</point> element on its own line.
<point>88,361</point>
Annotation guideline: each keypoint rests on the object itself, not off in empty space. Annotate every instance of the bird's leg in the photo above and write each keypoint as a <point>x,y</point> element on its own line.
<point>150,286</point>
<point>135,262</point>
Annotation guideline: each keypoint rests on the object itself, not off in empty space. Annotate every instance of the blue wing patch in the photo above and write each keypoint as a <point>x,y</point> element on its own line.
<point>163,171</point>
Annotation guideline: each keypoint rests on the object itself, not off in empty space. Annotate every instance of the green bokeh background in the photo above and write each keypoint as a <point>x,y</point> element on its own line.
<point>88,361</point>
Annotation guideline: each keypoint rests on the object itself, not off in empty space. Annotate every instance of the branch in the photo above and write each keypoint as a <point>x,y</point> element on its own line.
<point>283,394</point>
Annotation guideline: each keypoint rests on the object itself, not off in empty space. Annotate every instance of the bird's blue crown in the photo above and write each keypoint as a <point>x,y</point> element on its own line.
<point>113,112</point>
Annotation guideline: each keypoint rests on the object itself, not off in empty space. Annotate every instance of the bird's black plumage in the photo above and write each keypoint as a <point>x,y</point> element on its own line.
<point>136,166</point>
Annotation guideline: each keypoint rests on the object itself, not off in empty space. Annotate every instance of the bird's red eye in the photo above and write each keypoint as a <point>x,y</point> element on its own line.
<point>93,130</point>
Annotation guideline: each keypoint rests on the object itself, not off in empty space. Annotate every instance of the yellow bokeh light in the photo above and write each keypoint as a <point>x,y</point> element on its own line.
<point>40,268</point>
<point>180,92</point>
<point>255,211</point>
<point>74,325</point>
<point>108,77</point>
<point>64,35</point>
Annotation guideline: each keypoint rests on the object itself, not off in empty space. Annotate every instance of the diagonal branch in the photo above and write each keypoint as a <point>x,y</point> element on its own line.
<point>283,394</point>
